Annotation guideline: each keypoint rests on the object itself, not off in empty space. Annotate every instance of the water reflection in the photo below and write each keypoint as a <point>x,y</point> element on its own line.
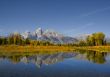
<point>38,59</point>
<point>95,57</point>
<point>46,58</point>
<point>55,64</point>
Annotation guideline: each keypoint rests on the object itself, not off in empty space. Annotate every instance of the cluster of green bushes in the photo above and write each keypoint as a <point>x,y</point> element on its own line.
<point>95,39</point>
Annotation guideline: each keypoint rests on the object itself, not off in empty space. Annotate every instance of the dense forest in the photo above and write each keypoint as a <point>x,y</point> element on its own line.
<point>95,39</point>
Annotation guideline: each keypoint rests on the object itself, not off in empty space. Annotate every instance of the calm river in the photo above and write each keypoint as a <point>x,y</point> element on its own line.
<point>58,64</point>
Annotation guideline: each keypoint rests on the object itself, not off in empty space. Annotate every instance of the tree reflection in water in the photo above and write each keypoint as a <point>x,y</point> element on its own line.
<point>52,58</point>
<point>96,57</point>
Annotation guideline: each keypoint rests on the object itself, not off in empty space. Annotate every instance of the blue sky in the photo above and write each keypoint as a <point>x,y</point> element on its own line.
<point>69,17</point>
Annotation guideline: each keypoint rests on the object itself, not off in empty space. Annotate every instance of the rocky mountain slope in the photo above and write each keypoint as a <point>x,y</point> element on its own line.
<point>49,35</point>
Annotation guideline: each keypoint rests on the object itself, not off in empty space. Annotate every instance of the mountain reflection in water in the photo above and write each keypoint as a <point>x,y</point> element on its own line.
<point>55,64</point>
<point>38,59</point>
<point>47,59</point>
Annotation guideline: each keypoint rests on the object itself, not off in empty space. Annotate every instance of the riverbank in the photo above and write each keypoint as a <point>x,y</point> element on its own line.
<point>94,48</point>
<point>15,48</point>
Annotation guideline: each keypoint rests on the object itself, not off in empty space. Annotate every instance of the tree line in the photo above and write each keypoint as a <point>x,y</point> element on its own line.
<point>95,39</point>
<point>17,39</point>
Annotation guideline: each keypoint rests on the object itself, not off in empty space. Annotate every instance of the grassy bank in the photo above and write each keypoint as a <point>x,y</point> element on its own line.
<point>15,48</point>
<point>94,48</point>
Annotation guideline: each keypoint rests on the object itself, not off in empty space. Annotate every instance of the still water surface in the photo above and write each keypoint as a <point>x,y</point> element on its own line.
<point>59,64</point>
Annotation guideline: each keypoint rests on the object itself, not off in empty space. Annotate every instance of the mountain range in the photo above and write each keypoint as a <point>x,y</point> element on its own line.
<point>49,35</point>
<point>53,36</point>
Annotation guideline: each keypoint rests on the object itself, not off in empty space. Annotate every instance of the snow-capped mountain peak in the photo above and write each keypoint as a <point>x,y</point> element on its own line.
<point>26,34</point>
<point>52,33</point>
<point>39,32</point>
<point>48,35</point>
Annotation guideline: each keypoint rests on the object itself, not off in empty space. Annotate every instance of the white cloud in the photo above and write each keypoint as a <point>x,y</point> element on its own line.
<point>79,28</point>
<point>96,11</point>
<point>76,31</point>
<point>1,30</point>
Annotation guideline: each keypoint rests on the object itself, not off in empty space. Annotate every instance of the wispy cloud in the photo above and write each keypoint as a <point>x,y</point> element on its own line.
<point>96,11</point>
<point>79,29</point>
<point>1,30</point>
